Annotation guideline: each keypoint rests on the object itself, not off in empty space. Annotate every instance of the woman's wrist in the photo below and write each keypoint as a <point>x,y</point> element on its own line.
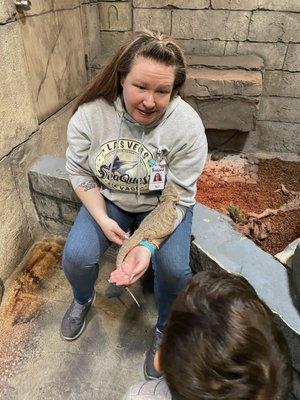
<point>156,243</point>
<point>148,245</point>
<point>102,218</point>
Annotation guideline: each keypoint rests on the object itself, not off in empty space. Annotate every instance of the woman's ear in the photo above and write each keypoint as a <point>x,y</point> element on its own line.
<point>122,80</point>
<point>156,361</point>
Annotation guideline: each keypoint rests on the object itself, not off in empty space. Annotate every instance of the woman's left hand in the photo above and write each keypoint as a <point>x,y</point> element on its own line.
<point>133,267</point>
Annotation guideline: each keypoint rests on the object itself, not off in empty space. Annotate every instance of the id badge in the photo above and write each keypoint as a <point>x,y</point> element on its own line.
<point>157,177</point>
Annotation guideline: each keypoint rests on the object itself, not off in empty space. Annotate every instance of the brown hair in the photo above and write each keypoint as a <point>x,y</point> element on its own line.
<point>221,343</point>
<point>156,46</point>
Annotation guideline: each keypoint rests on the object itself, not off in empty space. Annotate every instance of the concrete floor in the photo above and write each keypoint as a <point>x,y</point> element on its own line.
<point>36,363</point>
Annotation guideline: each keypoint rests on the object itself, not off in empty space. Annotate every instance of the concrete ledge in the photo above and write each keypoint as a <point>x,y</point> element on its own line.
<point>55,201</point>
<point>246,62</point>
<point>47,173</point>
<point>225,90</point>
<point>219,244</point>
<point>207,82</point>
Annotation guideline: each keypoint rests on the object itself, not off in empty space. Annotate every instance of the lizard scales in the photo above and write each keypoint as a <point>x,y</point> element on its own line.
<point>158,224</point>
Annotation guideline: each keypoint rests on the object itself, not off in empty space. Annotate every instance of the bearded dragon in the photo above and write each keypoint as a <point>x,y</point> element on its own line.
<point>158,224</point>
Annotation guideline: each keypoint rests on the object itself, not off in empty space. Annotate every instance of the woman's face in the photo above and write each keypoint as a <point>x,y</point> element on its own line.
<point>147,89</point>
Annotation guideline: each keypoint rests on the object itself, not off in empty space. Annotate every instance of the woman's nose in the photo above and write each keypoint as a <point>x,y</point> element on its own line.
<point>149,101</point>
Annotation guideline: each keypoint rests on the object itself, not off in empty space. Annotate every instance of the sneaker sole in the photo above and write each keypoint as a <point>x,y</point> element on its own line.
<point>74,337</point>
<point>82,328</point>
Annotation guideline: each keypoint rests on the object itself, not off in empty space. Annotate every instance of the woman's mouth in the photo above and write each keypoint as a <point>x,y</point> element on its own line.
<point>145,112</point>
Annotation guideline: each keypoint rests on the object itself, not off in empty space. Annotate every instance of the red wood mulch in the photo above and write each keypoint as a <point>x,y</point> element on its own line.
<point>258,188</point>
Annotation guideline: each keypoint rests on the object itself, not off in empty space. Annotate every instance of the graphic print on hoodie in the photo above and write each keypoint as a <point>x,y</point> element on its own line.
<point>124,173</point>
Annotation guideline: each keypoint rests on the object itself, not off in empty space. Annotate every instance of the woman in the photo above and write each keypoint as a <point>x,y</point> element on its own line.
<point>157,177</point>
<point>128,122</point>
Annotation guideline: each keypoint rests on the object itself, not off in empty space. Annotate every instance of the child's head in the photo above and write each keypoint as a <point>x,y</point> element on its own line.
<point>221,343</point>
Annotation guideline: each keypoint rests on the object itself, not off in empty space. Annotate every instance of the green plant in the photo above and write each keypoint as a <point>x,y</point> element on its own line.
<point>236,214</point>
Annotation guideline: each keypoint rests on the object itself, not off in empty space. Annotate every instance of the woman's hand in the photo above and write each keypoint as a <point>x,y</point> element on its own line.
<point>133,267</point>
<point>90,195</point>
<point>112,230</point>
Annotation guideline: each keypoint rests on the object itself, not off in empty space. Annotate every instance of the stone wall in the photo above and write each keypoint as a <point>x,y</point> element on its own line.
<point>42,70</point>
<point>108,23</point>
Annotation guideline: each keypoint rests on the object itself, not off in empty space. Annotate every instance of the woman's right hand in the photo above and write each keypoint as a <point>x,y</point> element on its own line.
<point>112,230</point>
<point>90,195</point>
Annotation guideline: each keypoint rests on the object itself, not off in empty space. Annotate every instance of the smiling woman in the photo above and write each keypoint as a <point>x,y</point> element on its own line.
<point>129,125</point>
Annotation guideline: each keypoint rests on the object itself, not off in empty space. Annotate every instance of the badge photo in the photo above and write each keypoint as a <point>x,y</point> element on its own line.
<point>157,177</point>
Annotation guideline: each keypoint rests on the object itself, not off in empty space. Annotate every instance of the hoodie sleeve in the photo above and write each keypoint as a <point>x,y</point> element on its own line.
<point>184,167</point>
<point>79,142</point>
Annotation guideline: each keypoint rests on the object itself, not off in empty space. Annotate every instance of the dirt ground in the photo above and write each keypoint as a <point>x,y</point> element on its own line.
<point>239,187</point>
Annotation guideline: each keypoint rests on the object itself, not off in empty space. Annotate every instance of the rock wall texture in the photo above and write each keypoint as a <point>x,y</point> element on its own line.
<point>50,51</point>
<point>42,71</point>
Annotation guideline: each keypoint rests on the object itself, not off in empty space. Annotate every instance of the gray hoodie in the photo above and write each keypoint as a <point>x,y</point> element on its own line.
<point>109,147</point>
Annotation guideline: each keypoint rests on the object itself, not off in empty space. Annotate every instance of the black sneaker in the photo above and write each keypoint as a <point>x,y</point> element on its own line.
<point>73,322</point>
<point>149,370</point>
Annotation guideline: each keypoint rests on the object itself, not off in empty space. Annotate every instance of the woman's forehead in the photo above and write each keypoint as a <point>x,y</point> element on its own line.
<point>147,68</point>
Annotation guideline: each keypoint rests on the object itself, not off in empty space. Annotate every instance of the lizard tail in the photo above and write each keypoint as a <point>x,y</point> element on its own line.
<point>132,242</point>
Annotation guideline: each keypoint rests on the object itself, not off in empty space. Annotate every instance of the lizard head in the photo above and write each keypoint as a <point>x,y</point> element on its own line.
<point>169,194</point>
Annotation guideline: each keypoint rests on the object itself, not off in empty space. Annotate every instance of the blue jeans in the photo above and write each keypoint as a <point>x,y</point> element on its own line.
<point>86,244</point>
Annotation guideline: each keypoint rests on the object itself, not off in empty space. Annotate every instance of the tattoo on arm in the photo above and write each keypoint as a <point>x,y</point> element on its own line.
<point>88,185</point>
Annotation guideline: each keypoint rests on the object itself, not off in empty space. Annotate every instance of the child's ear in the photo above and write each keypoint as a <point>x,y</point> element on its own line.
<point>156,361</point>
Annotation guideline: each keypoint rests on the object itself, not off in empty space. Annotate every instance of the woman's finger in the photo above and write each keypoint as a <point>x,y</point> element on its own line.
<point>119,279</point>
<point>134,278</point>
<point>118,274</point>
<point>134,274</point>
<point>119,231</point>
<point>116,239</point>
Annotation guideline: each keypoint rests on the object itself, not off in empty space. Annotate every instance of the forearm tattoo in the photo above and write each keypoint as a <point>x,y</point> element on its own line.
<point>88,185</point>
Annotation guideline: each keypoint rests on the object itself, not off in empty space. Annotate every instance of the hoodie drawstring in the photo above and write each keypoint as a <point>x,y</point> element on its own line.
<point>138,166</point>
<point>116,150</point>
